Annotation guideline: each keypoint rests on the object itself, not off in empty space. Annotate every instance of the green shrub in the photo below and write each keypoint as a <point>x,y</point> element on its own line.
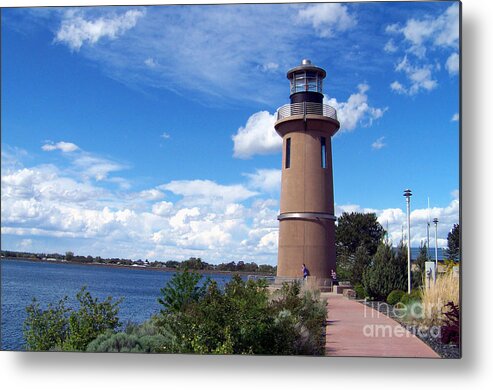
<point>243,319</point>
<point>360,291</point>
<point>395,297</point>
<point>66,329</point>
<point>125,342</point>
<point>415,296</point>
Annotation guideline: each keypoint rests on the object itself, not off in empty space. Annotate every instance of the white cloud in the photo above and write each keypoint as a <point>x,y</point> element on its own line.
<point>397,87</point>
<point>378,144</point>
<point>390,46</point>
<point>270,67</point>
<point>150,62</point>
<point>208,190</point>
<point>441,31</point>
<point>162,208</point>
<point>258,136</point>
<point>420,78</point>
<point>356,111</point>
<point>210,220</point>
<point>65,147</point>
<point>455,117</point>
<point>452,64</point>
<point>266,180</point>
<point>75,30</point>
<point>327,18</point>
<point>152,194</point>
<point>165,135</point>
<point>423,39</point>
<point>92,166</point>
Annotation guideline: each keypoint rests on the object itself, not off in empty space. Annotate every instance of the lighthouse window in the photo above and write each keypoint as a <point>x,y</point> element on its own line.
<point>323,152</point>
<point>288,153</point>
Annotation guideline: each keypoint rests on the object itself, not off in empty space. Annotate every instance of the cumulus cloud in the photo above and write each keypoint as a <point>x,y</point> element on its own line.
<point>75,30</point>
<point>217,222</point>
<point>356,111</point>
<point>455,117</point>
<point>162,208</point>
<point>258,136</point>
<point>62,146</point>
<point>452,64</point>
<point>152,194</point>
<point>378,144</point>
<point>208,190</point>
<point>265,180</point>
<point>327,18</point>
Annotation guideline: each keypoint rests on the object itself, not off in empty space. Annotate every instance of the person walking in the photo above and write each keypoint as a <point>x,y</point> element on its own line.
<point>305,271</point>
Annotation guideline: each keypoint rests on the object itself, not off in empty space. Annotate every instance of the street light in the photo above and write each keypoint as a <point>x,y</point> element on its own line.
<point>435,221</point>
<point>408,194</point>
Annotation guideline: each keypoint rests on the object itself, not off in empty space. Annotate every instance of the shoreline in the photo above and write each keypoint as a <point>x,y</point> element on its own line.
<point>142,268</point>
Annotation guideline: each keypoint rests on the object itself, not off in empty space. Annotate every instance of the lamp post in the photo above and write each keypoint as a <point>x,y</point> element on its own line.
<point>408,194</point>
<point>435,221</point>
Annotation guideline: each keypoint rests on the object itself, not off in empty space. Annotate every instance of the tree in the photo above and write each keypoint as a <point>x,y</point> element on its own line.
<point>386,272</point>
<point>357,238</point>
<point>69,256</point>
<point>182,290</point>
<point>419,274</point>
<point>358,229</point>
<point>361,260</point>
<point>453,243</point>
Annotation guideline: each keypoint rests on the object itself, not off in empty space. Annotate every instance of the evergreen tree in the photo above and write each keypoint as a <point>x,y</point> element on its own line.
<point>453,243</point>
<point>361,260</point>
<point>419,274</point>
<point>386,272</point>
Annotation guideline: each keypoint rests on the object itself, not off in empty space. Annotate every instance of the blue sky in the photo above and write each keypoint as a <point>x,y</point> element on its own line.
<point>147,132</point>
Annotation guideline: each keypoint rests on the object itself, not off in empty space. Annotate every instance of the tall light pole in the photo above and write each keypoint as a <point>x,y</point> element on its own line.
<point>435,221</point>
<point>408,194</point>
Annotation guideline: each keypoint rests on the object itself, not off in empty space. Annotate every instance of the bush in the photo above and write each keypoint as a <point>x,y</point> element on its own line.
<point>136,338</point>
<point>407,299</point>
<point>360,291</point>
<point>66,329</point>
<point>450,331</point>
<point>243,319</point>
<point>395,296</point>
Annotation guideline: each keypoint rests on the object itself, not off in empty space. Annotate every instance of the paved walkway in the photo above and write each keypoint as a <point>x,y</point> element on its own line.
<point>355,329</point>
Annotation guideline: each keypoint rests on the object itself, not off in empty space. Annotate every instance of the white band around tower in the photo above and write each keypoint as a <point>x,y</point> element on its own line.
<point>315,216</point>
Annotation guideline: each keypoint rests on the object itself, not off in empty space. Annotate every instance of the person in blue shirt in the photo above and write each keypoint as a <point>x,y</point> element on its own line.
<point>306,273</point>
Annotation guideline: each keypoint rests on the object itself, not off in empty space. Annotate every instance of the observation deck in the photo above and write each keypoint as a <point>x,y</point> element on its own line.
<point>304,109</point>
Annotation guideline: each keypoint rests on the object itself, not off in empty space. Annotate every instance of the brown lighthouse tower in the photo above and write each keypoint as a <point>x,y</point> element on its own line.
<point>306,221</point>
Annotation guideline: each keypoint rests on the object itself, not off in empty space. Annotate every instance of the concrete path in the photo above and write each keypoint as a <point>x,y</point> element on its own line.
<point>355,329</point>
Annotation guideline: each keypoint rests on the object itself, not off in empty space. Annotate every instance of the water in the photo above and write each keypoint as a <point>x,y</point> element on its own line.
<point>21,281</point>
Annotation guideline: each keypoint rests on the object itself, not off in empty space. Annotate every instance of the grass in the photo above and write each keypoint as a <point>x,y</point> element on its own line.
<point>434,298</point>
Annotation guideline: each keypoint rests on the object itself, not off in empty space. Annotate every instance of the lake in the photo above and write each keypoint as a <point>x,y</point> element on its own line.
<point>21,281</point>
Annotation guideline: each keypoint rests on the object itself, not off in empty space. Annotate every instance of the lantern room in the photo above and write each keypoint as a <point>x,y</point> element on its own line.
<point>306,82</point>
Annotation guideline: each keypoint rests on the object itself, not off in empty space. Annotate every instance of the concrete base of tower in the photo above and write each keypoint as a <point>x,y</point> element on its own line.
<point>309,242</point>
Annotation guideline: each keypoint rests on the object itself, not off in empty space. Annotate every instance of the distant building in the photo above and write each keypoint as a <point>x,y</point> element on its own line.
<point>442,253</point>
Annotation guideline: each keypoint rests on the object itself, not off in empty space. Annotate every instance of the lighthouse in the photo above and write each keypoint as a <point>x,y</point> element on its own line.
<point>306,219</point>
